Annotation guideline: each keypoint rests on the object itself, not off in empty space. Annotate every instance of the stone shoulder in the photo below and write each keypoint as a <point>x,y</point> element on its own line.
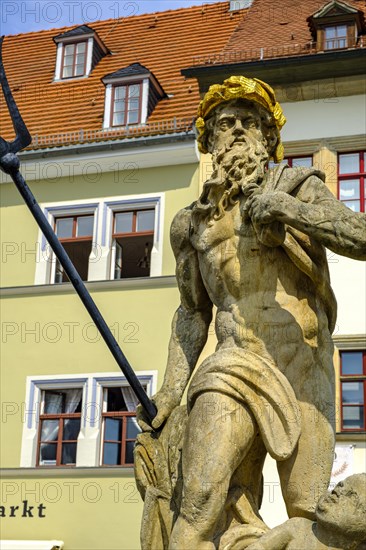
<point>180,229</point>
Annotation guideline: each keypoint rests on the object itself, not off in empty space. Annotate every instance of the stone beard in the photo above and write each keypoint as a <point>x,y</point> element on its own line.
<point>237,166</point>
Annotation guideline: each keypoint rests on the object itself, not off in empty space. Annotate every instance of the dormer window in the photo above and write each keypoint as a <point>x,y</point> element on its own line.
<point>74,59</point>
<point>335,37</point>
<point>78,52</point>
<point>131,95</point>
<point>337,25</point>
<point>126,104</point>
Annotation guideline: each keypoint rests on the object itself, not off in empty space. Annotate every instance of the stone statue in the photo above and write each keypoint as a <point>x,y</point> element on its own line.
<point>253,246</point>
<point>340,525</point>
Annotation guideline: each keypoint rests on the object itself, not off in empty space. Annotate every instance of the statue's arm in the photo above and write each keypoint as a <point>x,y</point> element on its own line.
<point>316,212</point>
<point>294,530</point>
<point>190,323</point>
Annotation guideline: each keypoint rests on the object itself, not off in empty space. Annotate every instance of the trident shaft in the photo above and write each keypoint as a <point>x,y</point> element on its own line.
<point>9,163</point>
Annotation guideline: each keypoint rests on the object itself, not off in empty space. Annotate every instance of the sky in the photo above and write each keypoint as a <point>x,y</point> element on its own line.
<point>18,16</point>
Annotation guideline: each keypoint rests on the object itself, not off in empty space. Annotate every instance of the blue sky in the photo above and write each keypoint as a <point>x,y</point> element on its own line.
<point>19,16</point>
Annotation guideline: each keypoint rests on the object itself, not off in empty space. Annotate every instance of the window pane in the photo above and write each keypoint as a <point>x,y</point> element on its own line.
<point>53,402</point>
<point>79,70</point>
<point>129,452</point>
<point>68,453</point>
<point>112,453</point>
<point>134,90</point>
<point>145,220</point>
<point>69,49</point>
<point>84,226</point>
<point>119,92</point>
<point>349,189</point>
<point>352,392</point>
<point>330,32</point>
<point>136,252</point>
<point>349,164</point>
<point>67,72</point>
<point>118,119</point>
<point>113,429</point>
<point>71,428</point>
<point>115,401</point>
<point>341,30</point>
<point>353,417</point>
<point>49,430</point>
<point>123,222</point>
<point>133,104</point>
<point>352,205</point>
<point>119,105</point>
<point>305,162</point>
<point>64,228</point>
<point>352,362</point>
<point>47,454</point>
<point>133,117</point>
<point>132,428</point>
<point>68,60</point>
<point>81,47</point>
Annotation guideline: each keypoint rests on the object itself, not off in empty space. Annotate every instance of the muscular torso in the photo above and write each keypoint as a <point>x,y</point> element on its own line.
<point>263,300</point>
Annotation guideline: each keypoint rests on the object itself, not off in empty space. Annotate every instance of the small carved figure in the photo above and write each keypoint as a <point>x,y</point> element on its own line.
<point>253,245</point>
<point>340,522</point>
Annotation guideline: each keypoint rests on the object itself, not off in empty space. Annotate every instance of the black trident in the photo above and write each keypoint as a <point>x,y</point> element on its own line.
<point>9,163</point>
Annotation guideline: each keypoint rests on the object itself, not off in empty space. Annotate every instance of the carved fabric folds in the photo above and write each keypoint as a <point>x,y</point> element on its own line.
<point>258,384</point>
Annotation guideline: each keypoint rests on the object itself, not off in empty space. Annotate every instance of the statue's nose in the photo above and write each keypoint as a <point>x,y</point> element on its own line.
<point>238,128</point>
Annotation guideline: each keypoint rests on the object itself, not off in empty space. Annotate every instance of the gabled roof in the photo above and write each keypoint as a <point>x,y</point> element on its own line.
<point>334,8</point>
<point>163,42</point>
<point>135,69</point>
<point>78,31</point>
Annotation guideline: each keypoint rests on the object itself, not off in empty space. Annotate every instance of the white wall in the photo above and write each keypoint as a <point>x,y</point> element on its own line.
<point>348,279</point>
<point>319,119</point>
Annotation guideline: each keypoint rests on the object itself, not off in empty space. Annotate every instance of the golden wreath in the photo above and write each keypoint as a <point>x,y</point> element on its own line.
<point>240,87</point>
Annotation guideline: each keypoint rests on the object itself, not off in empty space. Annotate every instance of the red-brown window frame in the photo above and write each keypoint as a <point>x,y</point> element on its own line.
<point>59,442</point>
<point>126,85</point>
<point>134,223</point>
<point>74,59</point>
<point>123,415</point>
<point>361,175</point>
<point>74,237</point>
<point>354,378</point>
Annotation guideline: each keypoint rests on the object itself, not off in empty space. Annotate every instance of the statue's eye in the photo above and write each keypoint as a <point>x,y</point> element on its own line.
<point>226,123</point>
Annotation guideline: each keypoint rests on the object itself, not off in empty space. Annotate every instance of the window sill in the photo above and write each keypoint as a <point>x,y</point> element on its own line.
<point>120,284</point>
<point>77,471</point>
<point>351,436</point>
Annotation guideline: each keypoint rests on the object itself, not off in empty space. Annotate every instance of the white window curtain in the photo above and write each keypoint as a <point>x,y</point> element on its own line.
<point>54,401</point>
<point>49,428</point>
<point>131,401</point>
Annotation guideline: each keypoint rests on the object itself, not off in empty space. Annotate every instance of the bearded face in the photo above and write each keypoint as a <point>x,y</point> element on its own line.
<point>238,143</point>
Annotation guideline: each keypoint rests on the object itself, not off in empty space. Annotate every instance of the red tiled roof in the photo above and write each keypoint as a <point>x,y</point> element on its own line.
<point>278,25</point>
<point>163,42</point>
<point>272,30</point>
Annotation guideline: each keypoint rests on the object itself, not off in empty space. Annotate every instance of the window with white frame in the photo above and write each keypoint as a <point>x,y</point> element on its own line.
<point>81,420</point>
<point>114,238</point>
<point>74,59</point>
<point>126,104</point>
<point>131,95</point>
<point>78,52</point>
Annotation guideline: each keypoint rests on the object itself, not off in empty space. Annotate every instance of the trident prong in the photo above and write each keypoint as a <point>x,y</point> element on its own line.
<point>9,163</point>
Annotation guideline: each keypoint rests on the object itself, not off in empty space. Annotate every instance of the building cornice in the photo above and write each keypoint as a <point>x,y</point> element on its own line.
<point>92,286</point>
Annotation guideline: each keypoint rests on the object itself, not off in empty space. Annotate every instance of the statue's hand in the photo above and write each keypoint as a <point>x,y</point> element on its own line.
<point>165,405</point>
<point>264,208</point>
